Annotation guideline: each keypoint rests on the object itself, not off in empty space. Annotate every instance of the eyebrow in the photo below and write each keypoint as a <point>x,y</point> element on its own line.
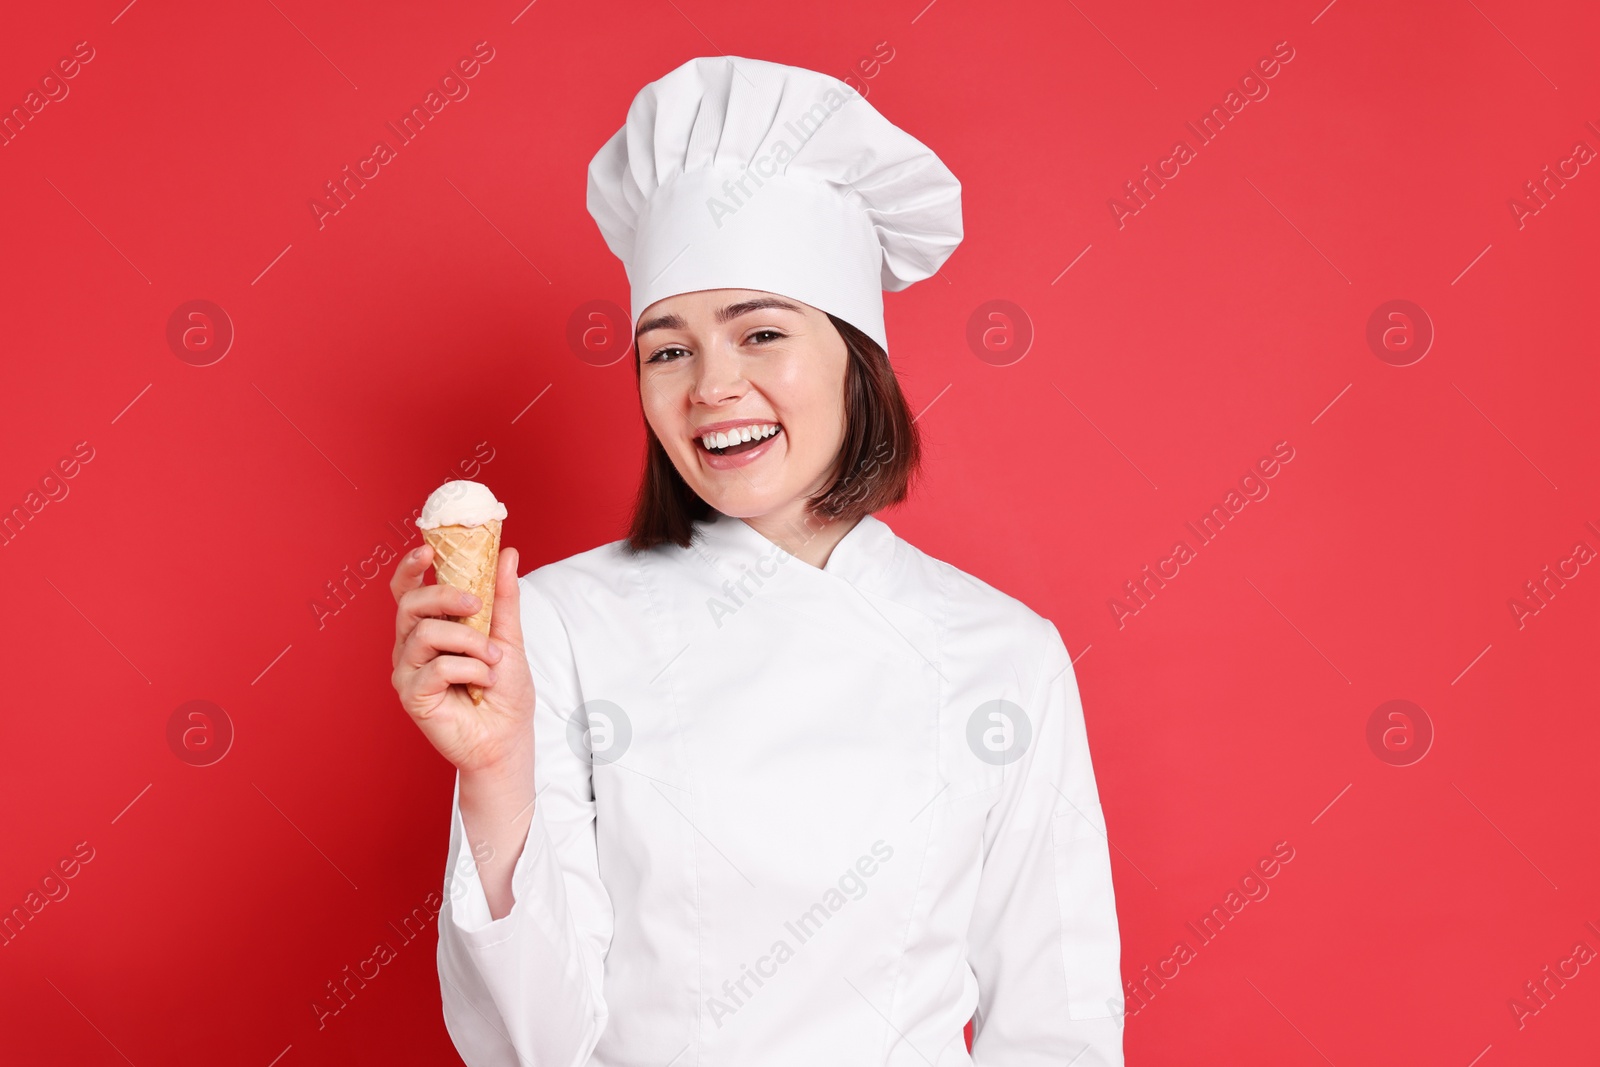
<point>726,314</point>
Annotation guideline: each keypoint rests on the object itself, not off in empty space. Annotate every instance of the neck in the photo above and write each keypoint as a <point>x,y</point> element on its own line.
<point>807,537</point>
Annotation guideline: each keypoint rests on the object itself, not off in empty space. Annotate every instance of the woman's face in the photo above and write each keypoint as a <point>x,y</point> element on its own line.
<point>739,362</point>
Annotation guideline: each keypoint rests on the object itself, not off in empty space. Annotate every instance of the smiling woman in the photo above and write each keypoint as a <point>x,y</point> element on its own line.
<point>685,731</point>
<point>769,410</point>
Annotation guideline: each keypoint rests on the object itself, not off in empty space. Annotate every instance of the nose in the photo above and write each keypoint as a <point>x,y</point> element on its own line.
<point>719,374</point>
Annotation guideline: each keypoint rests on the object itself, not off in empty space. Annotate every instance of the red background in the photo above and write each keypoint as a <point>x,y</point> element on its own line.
<point>374,353</point>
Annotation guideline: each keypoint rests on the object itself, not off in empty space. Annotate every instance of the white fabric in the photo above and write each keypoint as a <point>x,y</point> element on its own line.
<point>780,733</point>
<point>836,205</point>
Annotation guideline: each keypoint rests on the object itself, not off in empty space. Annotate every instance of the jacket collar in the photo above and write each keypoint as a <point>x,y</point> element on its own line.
<point>862,555</point>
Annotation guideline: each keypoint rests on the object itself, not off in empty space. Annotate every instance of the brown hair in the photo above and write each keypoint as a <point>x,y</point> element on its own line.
<point>877,460</point>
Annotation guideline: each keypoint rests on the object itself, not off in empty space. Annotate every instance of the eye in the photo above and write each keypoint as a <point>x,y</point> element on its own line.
<point>660,355</point>
<point>767,331</point>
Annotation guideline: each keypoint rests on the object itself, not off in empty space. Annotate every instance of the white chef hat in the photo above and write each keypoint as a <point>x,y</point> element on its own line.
<point>734,173</point>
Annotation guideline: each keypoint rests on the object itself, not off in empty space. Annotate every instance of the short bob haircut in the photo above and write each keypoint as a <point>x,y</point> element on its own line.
<point>880,455</point>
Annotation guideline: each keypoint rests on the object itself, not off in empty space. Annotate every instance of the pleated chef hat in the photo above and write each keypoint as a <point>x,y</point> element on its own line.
<point>734,173</point>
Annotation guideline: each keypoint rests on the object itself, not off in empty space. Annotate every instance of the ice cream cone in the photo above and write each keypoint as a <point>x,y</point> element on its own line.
<point>466,557</point>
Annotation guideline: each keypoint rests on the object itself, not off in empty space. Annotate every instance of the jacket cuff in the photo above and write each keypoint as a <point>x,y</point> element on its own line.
<point>469,903</point>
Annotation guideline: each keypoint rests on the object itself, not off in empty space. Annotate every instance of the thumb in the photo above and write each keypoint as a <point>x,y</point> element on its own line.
<point>505,622</point>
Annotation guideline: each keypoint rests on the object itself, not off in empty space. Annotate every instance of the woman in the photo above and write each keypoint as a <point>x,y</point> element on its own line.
<point>762,783</point>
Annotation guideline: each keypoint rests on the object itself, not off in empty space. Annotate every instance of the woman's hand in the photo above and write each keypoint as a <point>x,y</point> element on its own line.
<point>435,656</point>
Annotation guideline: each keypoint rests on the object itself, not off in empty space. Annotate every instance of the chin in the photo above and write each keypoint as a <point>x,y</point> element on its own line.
<point>743,505</point>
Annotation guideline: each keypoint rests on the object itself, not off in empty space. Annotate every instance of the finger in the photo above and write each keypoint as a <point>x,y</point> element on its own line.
<point>505,624</point>
<point>444,671</point>
<point>429,602</point>
<point>409,571</point>
<point>435,636</point>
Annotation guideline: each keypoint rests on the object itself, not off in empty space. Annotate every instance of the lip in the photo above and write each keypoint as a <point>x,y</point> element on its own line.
<point>741,459</point>
<point>730,424</point>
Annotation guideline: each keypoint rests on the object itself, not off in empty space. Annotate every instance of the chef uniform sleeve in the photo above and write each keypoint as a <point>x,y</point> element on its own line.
<point>527,989</point>
<point>1044,945</point>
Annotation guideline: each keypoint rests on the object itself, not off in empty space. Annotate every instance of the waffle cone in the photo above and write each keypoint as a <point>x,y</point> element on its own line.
<point>466,557</point>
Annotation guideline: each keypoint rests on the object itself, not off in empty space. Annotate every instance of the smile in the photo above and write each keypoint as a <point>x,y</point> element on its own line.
<point>739,439</point>
<point>738,446</point>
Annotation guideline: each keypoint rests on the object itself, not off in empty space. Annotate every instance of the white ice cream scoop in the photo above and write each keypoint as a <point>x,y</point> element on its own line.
<point>460,503</point>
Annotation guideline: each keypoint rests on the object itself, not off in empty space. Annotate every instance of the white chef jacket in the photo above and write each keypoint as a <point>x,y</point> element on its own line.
<point>790,815</point>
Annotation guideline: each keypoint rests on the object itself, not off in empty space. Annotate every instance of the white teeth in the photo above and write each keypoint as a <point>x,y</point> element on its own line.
<point>739,435</point>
